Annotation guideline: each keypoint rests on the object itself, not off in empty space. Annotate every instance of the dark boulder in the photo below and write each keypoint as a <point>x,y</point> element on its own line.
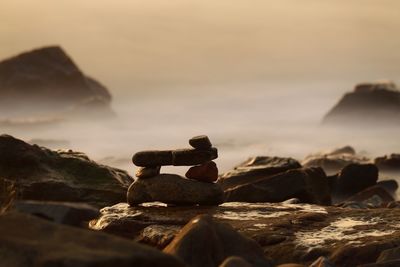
<point>30,241</point>
<point>256,168</point>
<point>205,242</point>
<point>43,174</point>
<point>352,179</point>
<point>309,185</point>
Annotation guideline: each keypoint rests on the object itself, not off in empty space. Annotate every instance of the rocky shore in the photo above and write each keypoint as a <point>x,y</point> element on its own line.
<point>60,208</point>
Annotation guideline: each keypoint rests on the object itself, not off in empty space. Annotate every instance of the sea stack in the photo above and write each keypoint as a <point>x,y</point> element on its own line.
<point>370,103</point>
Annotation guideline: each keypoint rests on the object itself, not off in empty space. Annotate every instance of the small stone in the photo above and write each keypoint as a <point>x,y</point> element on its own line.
<point>152,158</point>
<point>200,142</point>
<point>147,172</point>
<point>190,157</point>
<point>207,172</point>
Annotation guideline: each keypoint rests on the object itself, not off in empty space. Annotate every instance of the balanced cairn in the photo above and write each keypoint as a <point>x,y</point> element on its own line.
<point>201,155</point>
<point>197,188</point>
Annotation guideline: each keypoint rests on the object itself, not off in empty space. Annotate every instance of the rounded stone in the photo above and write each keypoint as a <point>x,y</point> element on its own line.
<point>147,172</point>
<point>207,172</point>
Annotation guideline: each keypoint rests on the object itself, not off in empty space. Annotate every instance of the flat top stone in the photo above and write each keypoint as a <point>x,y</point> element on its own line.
<point>200,142</point>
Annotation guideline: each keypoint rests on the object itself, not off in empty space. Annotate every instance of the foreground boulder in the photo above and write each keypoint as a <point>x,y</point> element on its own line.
<point>204,242</point>
<point>47,80</point>
<point>43,174</point>
<point>296,233</point>
<point>309,185</point>
<point>353,179</point>
<point>29,241</point>
<point>174,189</point>
<point>256,168</point>
<point>376,103</point>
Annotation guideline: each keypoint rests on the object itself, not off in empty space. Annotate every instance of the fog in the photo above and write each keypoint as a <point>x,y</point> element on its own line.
<point>256,76</point>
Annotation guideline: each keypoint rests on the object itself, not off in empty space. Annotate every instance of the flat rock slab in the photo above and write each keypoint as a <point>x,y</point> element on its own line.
<point>297,233</point>
<point>178,157</point>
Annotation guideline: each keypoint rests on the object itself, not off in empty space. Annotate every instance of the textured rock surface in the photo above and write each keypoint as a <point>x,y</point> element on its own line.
<point>204,242</point>
<point>309,185</point>
<point>256,168</point>
<point>298,233</point>
<point>47,79</point>
<point>29,241</point>
<point>174,189</point>
<point>42,174</point>
<point>369,103</point>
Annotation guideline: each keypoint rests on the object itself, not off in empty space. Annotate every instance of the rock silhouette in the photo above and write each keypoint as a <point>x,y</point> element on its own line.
<point>376,103</point>
<point>47,79</point>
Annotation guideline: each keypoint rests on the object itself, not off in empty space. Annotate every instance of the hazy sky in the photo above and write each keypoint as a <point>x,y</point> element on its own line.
<point>139,44</point>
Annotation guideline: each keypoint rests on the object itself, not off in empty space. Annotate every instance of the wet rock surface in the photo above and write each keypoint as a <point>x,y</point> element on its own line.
<point>298,233</point>
<point>174,189</point>
<point>43,174</point>
<point>30,241</point>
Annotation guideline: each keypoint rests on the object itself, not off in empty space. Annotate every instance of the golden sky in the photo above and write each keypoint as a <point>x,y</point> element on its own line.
<point>132,44</point>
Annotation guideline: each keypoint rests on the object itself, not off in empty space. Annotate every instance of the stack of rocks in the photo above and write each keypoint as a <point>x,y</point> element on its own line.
<point>198,188</point>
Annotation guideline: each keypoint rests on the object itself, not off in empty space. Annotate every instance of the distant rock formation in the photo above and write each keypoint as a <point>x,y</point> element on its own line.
<point>46,79</point>
<point>377,102</point>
